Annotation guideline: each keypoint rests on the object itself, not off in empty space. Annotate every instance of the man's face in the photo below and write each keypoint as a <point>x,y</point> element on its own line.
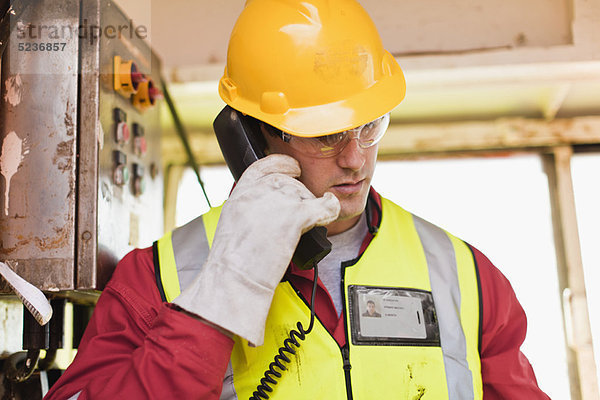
<point>371,308</point>
<point>347,175</point>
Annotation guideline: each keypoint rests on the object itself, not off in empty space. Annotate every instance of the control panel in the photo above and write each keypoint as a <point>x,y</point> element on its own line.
<point>130,182</point>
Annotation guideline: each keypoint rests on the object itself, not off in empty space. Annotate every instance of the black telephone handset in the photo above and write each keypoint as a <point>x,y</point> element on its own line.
<point>242,143</point>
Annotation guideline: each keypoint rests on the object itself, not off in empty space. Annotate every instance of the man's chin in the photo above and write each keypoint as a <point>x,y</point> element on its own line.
<point>352,210</point>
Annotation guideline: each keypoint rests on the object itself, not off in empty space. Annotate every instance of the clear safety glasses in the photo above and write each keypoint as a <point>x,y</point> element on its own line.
<point>367,135</point>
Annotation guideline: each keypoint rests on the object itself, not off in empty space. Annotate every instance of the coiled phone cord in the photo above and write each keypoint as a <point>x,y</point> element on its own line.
<point>295,336</point>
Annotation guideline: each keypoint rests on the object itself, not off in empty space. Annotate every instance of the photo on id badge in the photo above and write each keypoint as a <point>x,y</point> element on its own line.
<point>392,316</point>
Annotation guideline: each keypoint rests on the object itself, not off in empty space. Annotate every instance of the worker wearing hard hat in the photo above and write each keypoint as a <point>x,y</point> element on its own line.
<point>215,309</point>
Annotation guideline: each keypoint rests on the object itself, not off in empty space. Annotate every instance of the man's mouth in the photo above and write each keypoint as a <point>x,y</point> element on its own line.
<point>349,187</point>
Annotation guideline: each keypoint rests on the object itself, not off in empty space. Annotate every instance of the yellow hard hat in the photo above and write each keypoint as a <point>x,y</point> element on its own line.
<point>309,67</point>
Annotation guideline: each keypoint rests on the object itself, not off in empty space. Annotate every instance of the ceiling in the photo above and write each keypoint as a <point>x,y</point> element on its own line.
<point>538,59</point>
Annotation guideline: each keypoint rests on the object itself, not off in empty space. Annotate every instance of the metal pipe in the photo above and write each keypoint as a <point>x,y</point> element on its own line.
<point>19,366</point>
<point>45,363</point>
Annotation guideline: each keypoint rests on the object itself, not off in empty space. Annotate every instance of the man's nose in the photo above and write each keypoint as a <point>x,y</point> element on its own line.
<point>352,157</point>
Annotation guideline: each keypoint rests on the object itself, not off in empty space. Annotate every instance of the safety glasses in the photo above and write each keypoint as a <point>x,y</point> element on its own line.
<point>367,136</point>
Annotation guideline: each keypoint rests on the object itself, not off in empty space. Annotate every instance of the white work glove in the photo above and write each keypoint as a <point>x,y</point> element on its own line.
<point>257,233</point>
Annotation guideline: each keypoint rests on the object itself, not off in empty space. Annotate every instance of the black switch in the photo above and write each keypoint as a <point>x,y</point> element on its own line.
<point>138,130</point>
<point>119,115</point>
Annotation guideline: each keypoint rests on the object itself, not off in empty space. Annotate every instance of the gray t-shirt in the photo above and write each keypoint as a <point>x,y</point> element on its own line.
<point>344,247</point>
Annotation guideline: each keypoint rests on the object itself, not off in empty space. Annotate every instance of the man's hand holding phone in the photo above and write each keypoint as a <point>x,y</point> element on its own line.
<point>258,230</point>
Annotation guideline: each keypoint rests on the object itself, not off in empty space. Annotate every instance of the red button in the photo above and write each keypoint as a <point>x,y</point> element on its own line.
<point>141,146</point>
<point>122,134</point>
<point>126,133</point>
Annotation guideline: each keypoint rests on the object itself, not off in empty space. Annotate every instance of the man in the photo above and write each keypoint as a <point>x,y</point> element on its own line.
<point>371,310</point>
<point>203,313</point>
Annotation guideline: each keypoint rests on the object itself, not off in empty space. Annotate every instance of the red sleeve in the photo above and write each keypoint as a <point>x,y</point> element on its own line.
<point>136,346</point>
<point>505,370</point>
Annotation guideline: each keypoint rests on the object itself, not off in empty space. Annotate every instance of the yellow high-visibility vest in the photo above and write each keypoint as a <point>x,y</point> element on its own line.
<point>407,254</point>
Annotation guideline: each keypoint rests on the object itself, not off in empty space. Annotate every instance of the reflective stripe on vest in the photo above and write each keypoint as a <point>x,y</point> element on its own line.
<point>181,253</point>
<point>407,252</point>
<point>460,336</point>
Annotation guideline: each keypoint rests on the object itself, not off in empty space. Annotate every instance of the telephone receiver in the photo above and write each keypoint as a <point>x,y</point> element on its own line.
<point>242,143</point>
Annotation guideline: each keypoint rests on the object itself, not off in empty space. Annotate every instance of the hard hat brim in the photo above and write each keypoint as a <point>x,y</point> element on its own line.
<point>325,119</point>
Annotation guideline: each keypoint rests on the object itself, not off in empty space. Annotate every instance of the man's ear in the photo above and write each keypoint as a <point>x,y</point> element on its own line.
<point>267,134</point>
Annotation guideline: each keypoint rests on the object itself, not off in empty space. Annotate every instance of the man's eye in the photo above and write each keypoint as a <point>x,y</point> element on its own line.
<point>369,131</point>
<point>330,140</point>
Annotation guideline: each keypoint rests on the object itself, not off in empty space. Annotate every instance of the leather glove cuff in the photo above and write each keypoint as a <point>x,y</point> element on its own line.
<point>228,299</point>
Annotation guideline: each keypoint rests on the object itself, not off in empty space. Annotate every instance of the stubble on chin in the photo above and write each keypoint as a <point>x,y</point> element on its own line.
<point>352,207</point>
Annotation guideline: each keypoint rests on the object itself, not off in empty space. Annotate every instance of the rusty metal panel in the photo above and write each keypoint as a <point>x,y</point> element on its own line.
<point>65,222</point>
<point>38,160</point>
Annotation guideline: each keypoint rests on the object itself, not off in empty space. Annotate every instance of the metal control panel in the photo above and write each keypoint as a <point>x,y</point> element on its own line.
<point>80,145</point>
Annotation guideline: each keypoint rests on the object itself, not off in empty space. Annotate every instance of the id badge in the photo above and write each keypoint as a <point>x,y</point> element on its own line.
<point>388,316</point>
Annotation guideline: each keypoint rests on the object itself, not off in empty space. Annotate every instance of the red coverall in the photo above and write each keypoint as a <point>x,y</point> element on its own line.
<point>137,347</point>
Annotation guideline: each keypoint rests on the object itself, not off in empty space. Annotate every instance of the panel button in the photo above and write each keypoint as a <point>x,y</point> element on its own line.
<point>139,182</point>
<point>121,172</point>
<point>147,95</point>
<point>126,76</point>
<point>140,146</point>
<point>122,133</point>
